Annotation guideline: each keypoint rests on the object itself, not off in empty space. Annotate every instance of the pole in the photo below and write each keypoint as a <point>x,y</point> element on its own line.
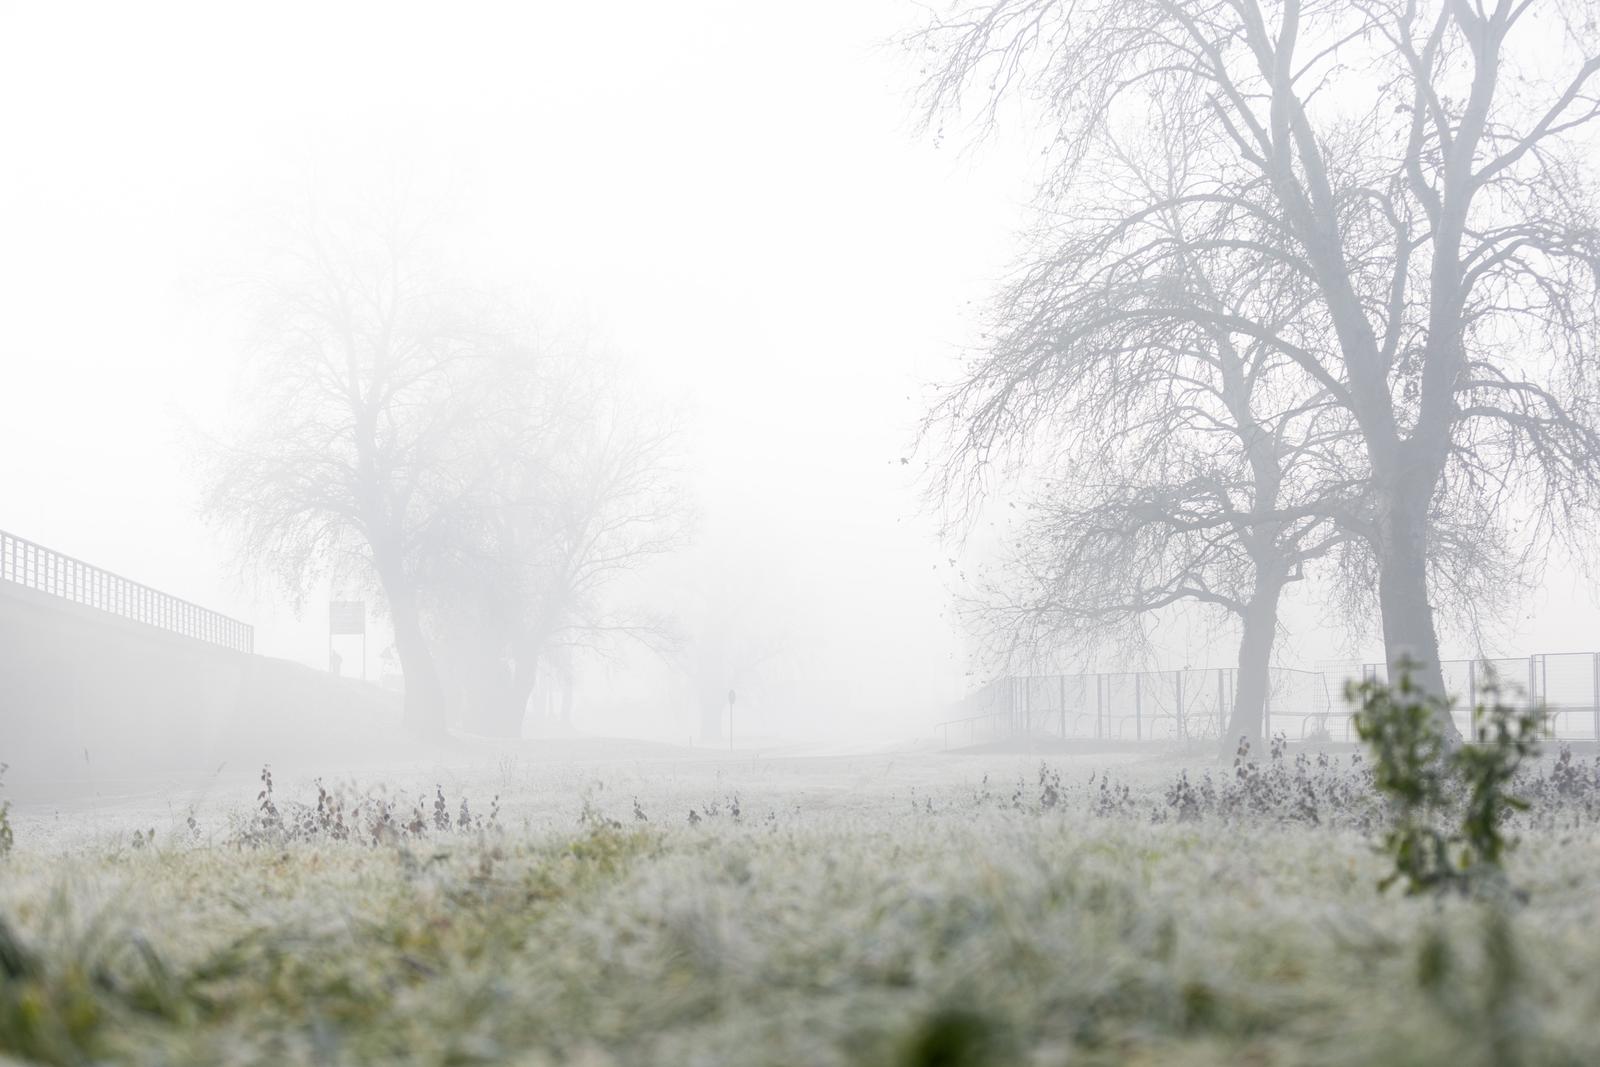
<point>1472,697</point>
<point>1594,695</point>
<point>1544,687</point>
<point>1222,701</point>
<point>1138,706</point>
<point>1099,713</point>
<point>1266,710</point>
<point>1177,676</point>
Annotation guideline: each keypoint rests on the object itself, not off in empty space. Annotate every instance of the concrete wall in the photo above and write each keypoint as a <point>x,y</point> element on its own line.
<point>90,699</point>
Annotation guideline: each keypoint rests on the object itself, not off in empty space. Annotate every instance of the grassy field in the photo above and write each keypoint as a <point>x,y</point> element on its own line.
<point>916,910</point>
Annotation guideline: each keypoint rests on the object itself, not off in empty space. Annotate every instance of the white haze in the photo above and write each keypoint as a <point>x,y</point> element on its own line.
<point>731,196</point>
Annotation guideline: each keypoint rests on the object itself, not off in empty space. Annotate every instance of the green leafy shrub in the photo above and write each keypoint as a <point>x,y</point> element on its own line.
<point>7,839</point>
<point>1507,736</point>
<point>1448,803</point>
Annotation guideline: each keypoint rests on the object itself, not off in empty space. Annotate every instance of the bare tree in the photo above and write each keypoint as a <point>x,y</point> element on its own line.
<point>587,491</point>
<point>1192,464</point>
<point>1409,168</point>
<point>374,389</point>
<point>1095,562</point>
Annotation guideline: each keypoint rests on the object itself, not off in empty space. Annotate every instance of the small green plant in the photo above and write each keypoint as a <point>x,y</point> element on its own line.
<point>7,839</point>
<point>1429,782</point>
<point>1506,737</point>
<point>1409,766</point>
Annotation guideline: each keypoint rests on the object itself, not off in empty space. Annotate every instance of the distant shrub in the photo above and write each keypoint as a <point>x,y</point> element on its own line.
<point>1312,789</point>
<point>1472,797</point>
<point>341,815</point>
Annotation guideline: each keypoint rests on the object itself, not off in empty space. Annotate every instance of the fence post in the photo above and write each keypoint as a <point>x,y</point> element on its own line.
<point>1183,733</point>
<point>1594,694</point>
<point>1099,708</point>
<point>1266,710</point>
<point>1544,687</point>
<point>1222,701</point>
<point>1138,706</point>
<point>1472,697</point>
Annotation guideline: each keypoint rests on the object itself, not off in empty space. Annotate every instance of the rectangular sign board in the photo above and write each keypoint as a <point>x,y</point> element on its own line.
<point>347,617</point>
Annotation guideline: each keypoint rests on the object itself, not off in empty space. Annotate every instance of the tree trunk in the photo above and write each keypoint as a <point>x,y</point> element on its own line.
<point>510,704</point>
<point>1260,620</point>
<point>496,699</point>
<point>1410,642</point>
<point>524,677</point>
<point>424,703</point>
<point>568,702</point>
<point>713,695</point>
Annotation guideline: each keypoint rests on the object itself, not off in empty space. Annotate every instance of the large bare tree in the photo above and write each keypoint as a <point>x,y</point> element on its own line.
<point>1224,519</point>
<point>587,491</point>
<point>375,393</point>
<point>1410,167</point>
<point>1191,464</point>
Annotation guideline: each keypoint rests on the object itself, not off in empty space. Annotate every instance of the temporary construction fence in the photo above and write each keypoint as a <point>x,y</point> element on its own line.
<point>1193,705</point>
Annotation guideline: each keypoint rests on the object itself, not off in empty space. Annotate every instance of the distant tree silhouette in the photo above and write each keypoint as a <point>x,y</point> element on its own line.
<point>588,491</point>
<point>407,432</point>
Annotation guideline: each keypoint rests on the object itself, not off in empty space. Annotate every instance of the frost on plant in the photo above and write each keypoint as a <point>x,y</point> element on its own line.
<point>1448,804</point>
<point>7,839</point>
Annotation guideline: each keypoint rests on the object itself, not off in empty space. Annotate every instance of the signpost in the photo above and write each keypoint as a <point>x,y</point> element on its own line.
<point>348,617</point>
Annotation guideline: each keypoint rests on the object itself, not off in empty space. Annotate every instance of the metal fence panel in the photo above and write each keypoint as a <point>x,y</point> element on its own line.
<point>1193,705</point>
<point>24,563</point>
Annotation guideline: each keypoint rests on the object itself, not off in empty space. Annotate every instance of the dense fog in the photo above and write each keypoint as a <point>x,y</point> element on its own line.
<point>729,205</point>
<point>865,532</point>
<point>746,218</point>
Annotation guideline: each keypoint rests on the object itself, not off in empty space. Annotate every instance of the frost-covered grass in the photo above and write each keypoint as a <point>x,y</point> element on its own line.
<point>921,910</point>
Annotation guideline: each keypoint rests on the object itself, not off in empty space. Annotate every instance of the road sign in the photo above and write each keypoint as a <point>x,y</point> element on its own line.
<point>347,617</point>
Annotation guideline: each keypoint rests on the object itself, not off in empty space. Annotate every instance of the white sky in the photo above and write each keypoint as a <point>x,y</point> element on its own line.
<point>731,192</point>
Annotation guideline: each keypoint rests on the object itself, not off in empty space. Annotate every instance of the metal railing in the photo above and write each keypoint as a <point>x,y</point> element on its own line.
<point>1193,705</point>
<point>45,570</point>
